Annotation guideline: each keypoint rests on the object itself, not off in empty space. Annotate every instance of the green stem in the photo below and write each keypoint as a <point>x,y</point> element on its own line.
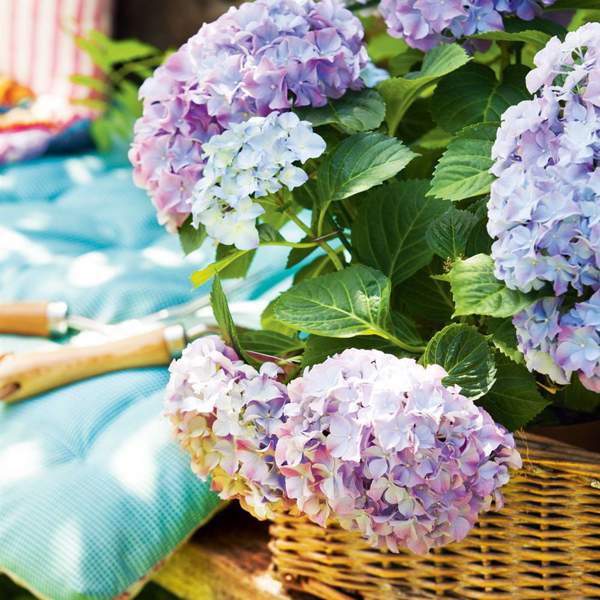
<point>398,342</point>
<point>292,244</point>
<point>337,263</point>
<point>505,54</point>
<point>341,234</point>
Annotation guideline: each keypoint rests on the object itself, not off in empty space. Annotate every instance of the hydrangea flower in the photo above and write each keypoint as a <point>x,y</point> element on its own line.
<point>570,67</point>
<point>559,344</point>
<point>252,159</point>
<point>424,24</point>
<point>224,414</point>
<point>265,56</point>
<point>544,209</point>
<point>381,446</point>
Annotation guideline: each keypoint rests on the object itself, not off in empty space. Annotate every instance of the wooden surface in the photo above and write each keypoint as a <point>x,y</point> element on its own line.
<point>226,560</point>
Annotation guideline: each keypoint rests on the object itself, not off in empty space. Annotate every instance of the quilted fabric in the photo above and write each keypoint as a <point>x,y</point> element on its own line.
<point>93,492</point>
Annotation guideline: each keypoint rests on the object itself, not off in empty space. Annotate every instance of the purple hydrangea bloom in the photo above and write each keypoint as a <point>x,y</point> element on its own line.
<point>559,343</point>
<point>424,24</point>
<point>381,446</point>
<point>264,56</point>
<point>544,207</point>
<point>570,67</point>
<point>225,414</point>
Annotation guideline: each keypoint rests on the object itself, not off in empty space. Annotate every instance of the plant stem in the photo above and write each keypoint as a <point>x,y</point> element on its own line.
<point>340,233</point>
<point>324,245</point>
<point>337,263</point>
<point>398,342</point>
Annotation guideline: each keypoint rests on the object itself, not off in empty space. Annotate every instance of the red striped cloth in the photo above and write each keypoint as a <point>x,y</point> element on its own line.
<point>37,45</point>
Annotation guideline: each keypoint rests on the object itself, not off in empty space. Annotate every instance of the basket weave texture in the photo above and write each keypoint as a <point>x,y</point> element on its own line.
<point>543,545</point>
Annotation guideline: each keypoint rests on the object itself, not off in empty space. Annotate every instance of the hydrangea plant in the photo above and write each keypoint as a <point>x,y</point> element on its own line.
<point>444,293</point>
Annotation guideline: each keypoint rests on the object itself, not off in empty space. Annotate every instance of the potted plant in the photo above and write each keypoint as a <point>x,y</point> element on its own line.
<point>443,181</point>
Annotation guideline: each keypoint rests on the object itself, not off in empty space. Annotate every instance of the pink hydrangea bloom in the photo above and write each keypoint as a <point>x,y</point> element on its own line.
<point>266,55</point>
<point>224,414</point>
<point>381,446</point>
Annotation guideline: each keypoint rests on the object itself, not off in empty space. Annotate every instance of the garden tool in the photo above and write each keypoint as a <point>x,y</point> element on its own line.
<point>53,319</point>
<point>154,340</point>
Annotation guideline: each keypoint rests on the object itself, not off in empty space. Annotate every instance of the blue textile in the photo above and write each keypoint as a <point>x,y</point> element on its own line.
<point>93,492</point>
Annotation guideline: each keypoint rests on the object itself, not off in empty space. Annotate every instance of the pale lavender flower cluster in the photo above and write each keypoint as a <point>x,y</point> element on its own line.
<point>225,414</point>
<point>381,446</point>
<point>266,55</point>
<point>559,345</point>
<point>250,160</point>
<point>424,24</point>
<point>544,209</point>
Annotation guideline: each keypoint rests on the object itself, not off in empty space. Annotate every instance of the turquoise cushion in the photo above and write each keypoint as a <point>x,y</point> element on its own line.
<point>93,491</point>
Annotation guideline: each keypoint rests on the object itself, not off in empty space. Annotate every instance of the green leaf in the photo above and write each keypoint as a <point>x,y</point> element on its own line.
<point>400,92</point>
<point>98,85</point>
<point>93,103</point>
<point>222,315</point>
<point>536,32</point>
<point>504,337</point>
<point>403,63</point>
<point>347,303</point>
<point>240,265</point>
<point>466,356</point>
<point>578,398</point>
<point>307,195</point>
<point>96,53</point>
<point>383,46</point>
<point>191,238</point>
<point>127,96</point>
<point>121,51</point>
<point>319,266</point>
<point>268,234</point>
<point>425,298</point>
<point>434,139</point>
<point>472,94</point>
<point>389,232</point>
<point>359,163</point>
<point>101,133</point>
<point>270,323</point>
<point>463,170</point>
<point>319,348</point>
<point>270,342</point>
<point>405,329</point>
<point>225,258</point>
<point>447,236</point>
<point>476,291</point>
<point>201,276</point>
<point>354,112</point>
<point>572,4</point>
<point>514,399</point>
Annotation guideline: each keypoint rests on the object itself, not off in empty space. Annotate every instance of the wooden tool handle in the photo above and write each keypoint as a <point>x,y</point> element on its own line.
<point>33,318</point>
<point>26,374</point>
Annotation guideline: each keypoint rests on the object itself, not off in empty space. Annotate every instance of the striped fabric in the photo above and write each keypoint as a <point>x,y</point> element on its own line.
<point>37,45</point>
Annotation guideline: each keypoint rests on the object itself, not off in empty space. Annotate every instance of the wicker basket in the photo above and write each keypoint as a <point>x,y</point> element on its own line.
<point>544,544</point>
